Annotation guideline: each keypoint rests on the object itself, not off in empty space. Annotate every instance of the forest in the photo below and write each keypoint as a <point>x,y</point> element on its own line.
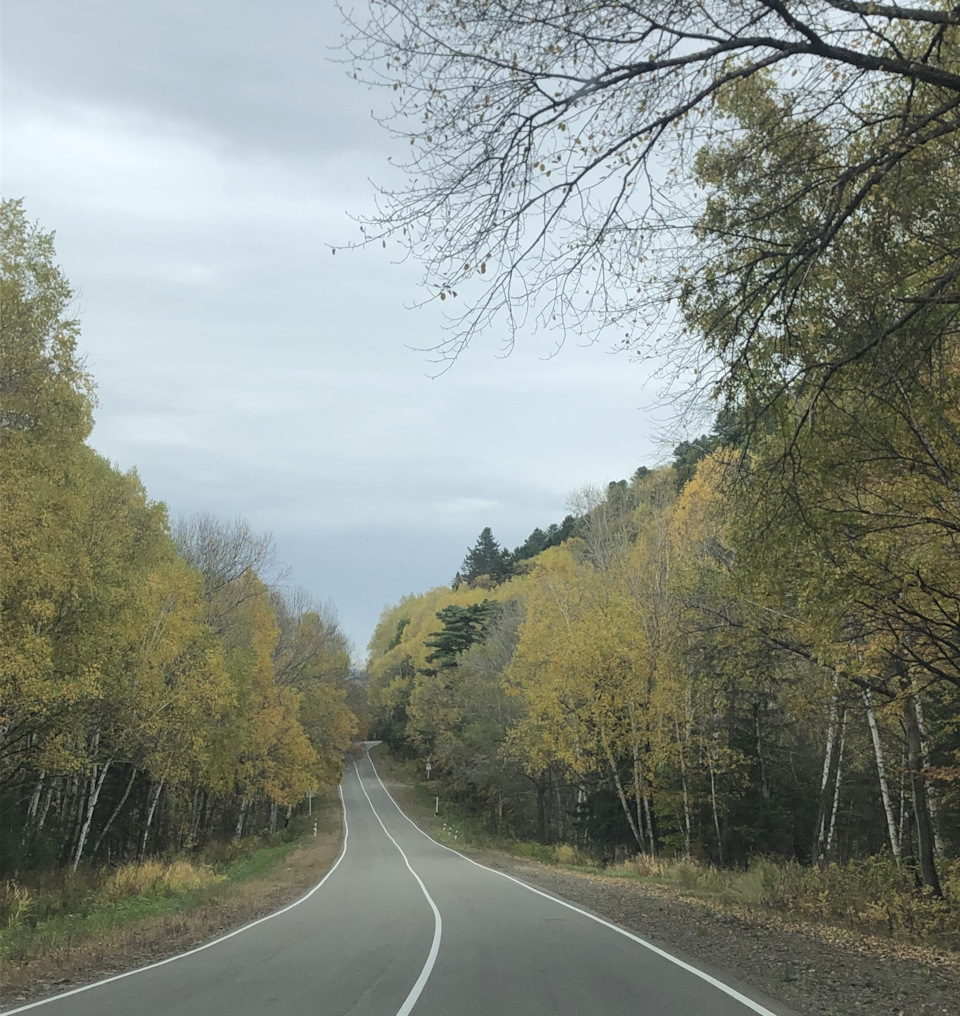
<point>666,682</point>
<point>161,688</point>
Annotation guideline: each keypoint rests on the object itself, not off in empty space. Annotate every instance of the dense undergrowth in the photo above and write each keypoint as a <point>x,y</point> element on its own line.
<point>869,896</point>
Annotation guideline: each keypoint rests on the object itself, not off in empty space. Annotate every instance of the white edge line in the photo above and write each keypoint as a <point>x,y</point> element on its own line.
<point>206,945</point>
<point>732,992</point>
<point>411,999</point>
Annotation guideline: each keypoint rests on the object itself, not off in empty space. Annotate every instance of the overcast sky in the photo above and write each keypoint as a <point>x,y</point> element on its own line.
<point>196,161</point>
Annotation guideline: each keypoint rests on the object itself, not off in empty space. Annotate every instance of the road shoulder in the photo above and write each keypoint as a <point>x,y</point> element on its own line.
<point>812,973</point>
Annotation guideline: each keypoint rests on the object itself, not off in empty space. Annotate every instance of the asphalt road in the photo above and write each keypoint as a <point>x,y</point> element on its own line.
<point>402,924</point>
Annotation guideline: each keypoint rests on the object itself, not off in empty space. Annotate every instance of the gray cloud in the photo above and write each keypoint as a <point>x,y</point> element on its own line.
<point>196,161</point>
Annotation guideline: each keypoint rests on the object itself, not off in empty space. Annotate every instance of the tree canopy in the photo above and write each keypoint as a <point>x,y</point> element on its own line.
<point>562,164</point>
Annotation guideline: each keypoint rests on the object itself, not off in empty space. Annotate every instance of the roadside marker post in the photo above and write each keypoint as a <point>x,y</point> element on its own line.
<point>436,809</point>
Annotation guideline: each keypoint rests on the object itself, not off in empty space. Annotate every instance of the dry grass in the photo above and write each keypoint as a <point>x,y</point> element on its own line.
<point>870,897</point>
<point>200,906</point>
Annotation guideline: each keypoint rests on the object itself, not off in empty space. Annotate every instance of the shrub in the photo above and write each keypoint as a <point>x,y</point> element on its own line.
<point>16,904</point>
<point>565,854</point>
<point>155,878</point>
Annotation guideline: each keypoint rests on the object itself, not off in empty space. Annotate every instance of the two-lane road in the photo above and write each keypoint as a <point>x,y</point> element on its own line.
<point>402,924</point>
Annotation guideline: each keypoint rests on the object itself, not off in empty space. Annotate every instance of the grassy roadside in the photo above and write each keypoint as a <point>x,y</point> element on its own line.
<point>869,901</point>
<point>138,914</point>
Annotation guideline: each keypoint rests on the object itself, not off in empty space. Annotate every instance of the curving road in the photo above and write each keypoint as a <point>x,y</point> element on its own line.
<point>402,924</point>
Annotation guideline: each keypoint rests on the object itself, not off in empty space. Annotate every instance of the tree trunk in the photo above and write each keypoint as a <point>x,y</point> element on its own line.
<point>238,831</point>
<point>32,808</point>
<point>273,817</point>
<point>93,794</point>
<point>116,811</point>
<point>932,803</point>
<point>44,811</point>
<point>764,785</point>
<point>903,826</point>
<point>199,815</point>
<point>560,828</point>
<point>836,785</point>
<point>716,814</point>
<point>72,818</point>
<point>542,810</point>
<point>35,798</point>
<point>651,828</point>
<point>638,793</point>
<point>153,795</point>
<point>820,836</point>
<point>614,773</point>
<point>925,844</point>
<point>686,797</point>
<point>882,774</point>
<point>638,781</point>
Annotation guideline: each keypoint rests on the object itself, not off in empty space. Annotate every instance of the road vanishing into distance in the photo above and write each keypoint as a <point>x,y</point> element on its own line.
<point>402,924</point>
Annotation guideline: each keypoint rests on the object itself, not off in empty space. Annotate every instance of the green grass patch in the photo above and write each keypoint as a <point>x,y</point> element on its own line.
<point>259,862</point>
<point>21,942</point>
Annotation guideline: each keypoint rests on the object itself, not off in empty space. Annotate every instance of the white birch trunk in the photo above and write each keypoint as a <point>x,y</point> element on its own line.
<point>925,759</point>
<point>623,797</point>
<point>639,784</point>
<point>713,802</point>
<point>902,826</point>
<point>821,836</point>
<point>35,798</point>
<point>152,798</point>
<point>116,811</point>
<point>238,831</point>
<point>882,774</point>
<point>44,811</point>
<point>96,785</point>
<point>686,798</point>
<point>836,784</point>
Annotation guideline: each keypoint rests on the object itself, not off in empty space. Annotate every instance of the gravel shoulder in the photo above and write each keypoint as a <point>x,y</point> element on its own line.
<point>814,970</point>
<point>814,976</point>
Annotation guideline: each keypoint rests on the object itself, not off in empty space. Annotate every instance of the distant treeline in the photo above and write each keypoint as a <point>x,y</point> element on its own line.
<point>158,687</point>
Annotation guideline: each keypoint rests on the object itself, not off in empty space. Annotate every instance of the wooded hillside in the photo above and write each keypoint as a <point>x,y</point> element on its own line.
<point>671,681</point>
